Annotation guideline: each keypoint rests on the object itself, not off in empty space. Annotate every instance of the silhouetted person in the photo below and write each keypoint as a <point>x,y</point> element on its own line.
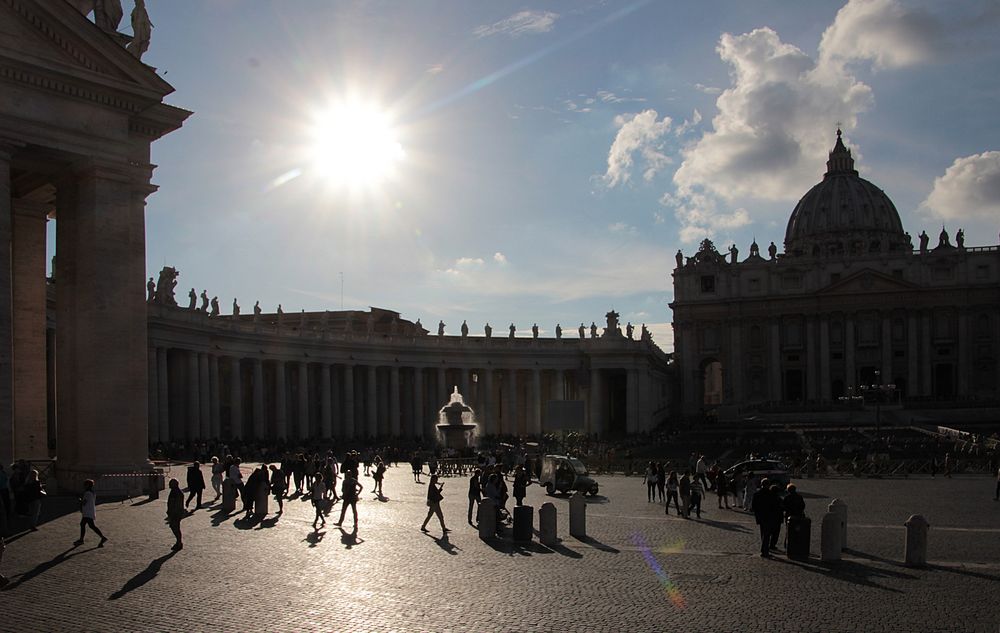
<point>88,512</point>
<point>475,491</point>
<point>349,492</point>
<point>434,498</point>
<point>279,486</point>
<point>175,512</point>
<point>522,479</point>
<point>767,512</point>
<point>195,484</point>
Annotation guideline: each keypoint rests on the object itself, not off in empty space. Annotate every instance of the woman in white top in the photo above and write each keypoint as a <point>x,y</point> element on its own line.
<point>88,512</point>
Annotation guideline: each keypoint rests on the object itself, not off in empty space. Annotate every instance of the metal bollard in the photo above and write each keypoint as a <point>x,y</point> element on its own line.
<point>830,533</point>
<point>547,524</point>
<point>229,492</point>
<point>915,545</point>
<point>487,519</point>
<point>839,508</point>
<point>578,515</point>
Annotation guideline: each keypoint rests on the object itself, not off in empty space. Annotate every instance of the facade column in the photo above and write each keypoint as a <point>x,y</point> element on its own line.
<point>213,389</point>
<point>163,396</point>
<point>193,399</point>
<point>6,315</point>
<point>463,385</point>
<point>536,402</point>
<point>28,296</point>
<point>688,369</point>
<point>558,385</point>
<point>489,421</point>
<point>850,373</point>
<point>325,403</point>
<point>912,354</point>
<point>632,401</point>
<point>280,401</point>
<point>235,399</point>
<point>775,374</point>
<point>419,414</point>
<point>963,353</point>
<point>303,431</point>
<point>596,403</point>
<point>394,409</point>
<point>442,386</point>
<point>371,402</point>
<point>825,390</point>
<point>812,362</point>
<point>349,402</point>
<point>887,377</point>
<point>925,353</point>
<point>734,371</point>
<point>259,427</point>
<point>204,406</point>
<point>510,425</point>
<point>154,397</point>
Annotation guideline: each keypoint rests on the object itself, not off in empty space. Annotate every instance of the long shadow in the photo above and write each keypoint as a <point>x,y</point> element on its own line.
<point>848,571</point>
<point>964,572</point>
<point>593,542</point>
<point>41,568</point>
<point>596,500</point>
<point>350,539</point>
<point>558,548</point>
<point>268,523</point>
<point>220,517</point>
<point>445,544</point>
<point>13,537</point>
<point>142,577</point>
<point>314,538</point>
<point>812,495</point>
<point>246,522</point>
<point>722,525</point>
<point>144,502</point>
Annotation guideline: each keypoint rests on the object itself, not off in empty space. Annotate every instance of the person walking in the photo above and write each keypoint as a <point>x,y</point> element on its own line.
<point>722,488</point>
<point>32,494</point>
<point>349,492</point>
<point>279,486</point>
<point>697,493</point>
<point>88,512</point>
<point>672,493</point>
<point>684,485</point>
<point>330,472</point>
<point>767,514</point>
<point>649,478</point>
<point>749,491</point>
<point>475,491</point>
<point>661,479</point>
<point>176,510</point>
<point>701,472</point>
<point>195,484</point>
<point>522,479</point>
<point>318,496</point>
<point>217,474</point>
<point>378,475</point>
<point>434,497</point>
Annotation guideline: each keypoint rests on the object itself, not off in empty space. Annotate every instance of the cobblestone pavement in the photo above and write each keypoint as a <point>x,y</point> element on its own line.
<point>638,571</point>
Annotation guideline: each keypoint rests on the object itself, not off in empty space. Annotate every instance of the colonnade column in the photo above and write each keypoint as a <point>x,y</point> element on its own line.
<point>371,403</point>
<point>912,354</point>
<point>536,402</point>
<point>213,388</point>
<point>775,378</point>
<point>303,430</point>
<point>510,419</point>
<point>596,419</point>
<point>193,400</point>
<point>258,399</point>
<point>925,353</point>
<point>811,359</point>
<point>394,408</point>
<point>349,401</point>
<point>632,401</point>
<point>235,399</point>
<point>280,401</point>
<point>558,385</point>
<point>162,395</point>
<point>418,402</point>
<point>325,403</point>
<point>463,385</point>
<point>824,358</point>
<point>734,370</point>
<point>489,411</point>
<point>963,353</point>
<point>442,386</point>
<point>154,397</point>
<point>204,407</point>
<point>850,373</point>
<point>6,321</point>
<point>887,350</point>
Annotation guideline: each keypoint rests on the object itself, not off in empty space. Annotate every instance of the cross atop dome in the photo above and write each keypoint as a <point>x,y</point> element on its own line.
<point>840,161</point>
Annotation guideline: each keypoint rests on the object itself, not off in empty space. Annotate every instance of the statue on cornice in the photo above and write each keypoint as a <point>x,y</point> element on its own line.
<point>534,331</point>
<point>419,326</point>
<point>236,308</point>
<point>512,330</point>
<point>465,328</point>
<point>280,311</point>
<point>204,300</point>
<point>593,330</point>
<point>645,333</point>
<point>440,328</point>
<point>772,251</point>
<point>960,238</point>
<point>150,290</point>
<point>754,249</point>
<point>192,299</point>
<point>734,254</point>
<point>924,239</point>
<point>215,307</point>
<point>583,331</point>
<point>166,285</point>
<point>142,30</point>
<point>108,14</point>
<point>628,330</point>
<point>558,331</point>
<point>256,310</point>
<point>488,330</point>
<point>943,239</point>
<point>680,258</point>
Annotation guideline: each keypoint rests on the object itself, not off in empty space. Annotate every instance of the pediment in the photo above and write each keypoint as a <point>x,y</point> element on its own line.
<point>867,281</point>
<point>50,40</point>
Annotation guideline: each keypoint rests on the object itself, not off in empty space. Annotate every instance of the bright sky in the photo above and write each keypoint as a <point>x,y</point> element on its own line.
<point>493,161</point>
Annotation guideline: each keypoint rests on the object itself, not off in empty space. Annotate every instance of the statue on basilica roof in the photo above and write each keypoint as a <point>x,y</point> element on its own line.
<point>960,238</point>
<point>734,254</point>
<point>944,241</point>
<point>192,299</point>
<point>165,286</point>
<point>583,331</point>
<point>924,239</point>
<point>772,251</point>
<point>150,290</point>
<point>465,328</point>
<point>142,30</point>
<point>558,331</point>
<point>488,330</point>
<point>680,258</point>
<point>440,328</point>
<point>512,330</point>
<point>215,306</point>
<point>754,249</point>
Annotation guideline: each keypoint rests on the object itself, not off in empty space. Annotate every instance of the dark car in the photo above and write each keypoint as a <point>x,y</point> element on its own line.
<point>775,471</point>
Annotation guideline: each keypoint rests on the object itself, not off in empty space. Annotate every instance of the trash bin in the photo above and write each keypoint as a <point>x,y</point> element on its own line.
<point>523,523</point>
<point>799,529</point>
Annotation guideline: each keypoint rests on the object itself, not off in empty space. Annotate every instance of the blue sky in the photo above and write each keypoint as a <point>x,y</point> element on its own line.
<point>555,154</point>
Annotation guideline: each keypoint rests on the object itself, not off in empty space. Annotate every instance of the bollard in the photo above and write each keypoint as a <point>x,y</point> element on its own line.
<point>578,515</point>
<point>547,525</point>
<point>260,502</point>
<point>798,531</point>
<point>154,488</point>
<point>830,533</point>
<point>228,495</point>
<point>487,519</point>
<point>915,544</point>
<point>839,508</point>
<point>524,523</point>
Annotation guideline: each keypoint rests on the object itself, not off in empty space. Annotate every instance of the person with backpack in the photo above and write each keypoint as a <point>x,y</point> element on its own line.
<point>279,486</point>
<point>88,512</point>
<point>378,475</point>
<point>349,492</point>
<point>434,497</point>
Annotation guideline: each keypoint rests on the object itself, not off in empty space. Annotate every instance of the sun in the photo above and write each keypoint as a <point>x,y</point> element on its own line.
<point>354,145</point>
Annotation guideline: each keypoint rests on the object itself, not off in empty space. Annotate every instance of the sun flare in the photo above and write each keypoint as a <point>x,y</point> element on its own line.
<point>355,145</point>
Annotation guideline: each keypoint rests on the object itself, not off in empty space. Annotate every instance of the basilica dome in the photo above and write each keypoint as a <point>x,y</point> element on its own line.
<point>844,214</point>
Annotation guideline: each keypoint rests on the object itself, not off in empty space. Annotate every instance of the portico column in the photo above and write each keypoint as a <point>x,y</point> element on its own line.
<point>6,316</point>
<point>280,401</point>
<point>371,403</point>
<point>394,409</point>
<point>963,353</point>
<point>510,419</point>
<point>325,403</point>
<point>418,402</point>
<point>204,406</point>
<point>734,371</point>
<point>259,428</point>
<point>824,358</point>
<point>303,401</point>
<point>811,360</point>
<point>463,382</point>
<point>235,399</point>
<point>850,373</point>
<point>886,350</point>
<point>596,425</point>
<point>925,352</point>
<point>632,401</point>
<point>193,399</point>
<point>349,401</point>
<point>912,353</point>
<point>558,385</point>
<point>489,421</point>
<point>163,396</point>
<point>775,378</point>
<point>154,397</point>
<point>28,318</point>
<point>442,386</point>
<point>536,402</point>
<point>213,389</point>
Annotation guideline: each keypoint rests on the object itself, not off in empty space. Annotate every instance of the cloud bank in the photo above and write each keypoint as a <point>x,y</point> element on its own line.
<point>521,23</point>
<point>969,188</point>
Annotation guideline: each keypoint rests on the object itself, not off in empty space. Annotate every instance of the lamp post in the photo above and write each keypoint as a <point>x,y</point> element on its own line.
<point>849,400</point>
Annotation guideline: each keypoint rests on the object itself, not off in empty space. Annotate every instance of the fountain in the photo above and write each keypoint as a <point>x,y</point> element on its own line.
<point>457,426</point>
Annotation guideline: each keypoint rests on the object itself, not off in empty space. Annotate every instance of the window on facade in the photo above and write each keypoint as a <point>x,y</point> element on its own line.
<point>837,332</point>
<point>708,283</point>
<point>756,340</point>
<point>899,353</point>
<point>791,281</point>
<point>942,326</point>
<point>710,338</point>
<point>898,330</point>
<point>793,358</point>
<point>793,334</point>
<point>837,356</point>
<point>983,326</point>
<point>867,332</point>
<point>754,284</point>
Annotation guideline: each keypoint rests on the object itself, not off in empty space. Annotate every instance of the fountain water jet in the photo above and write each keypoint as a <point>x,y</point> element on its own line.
<point>457,427</point>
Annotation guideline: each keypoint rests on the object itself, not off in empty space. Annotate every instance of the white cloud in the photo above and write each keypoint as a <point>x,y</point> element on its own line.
<point>499,258</point>
<point>621,227</point>
<point>700,216</point>
<point>688,123</point>
<point>639,133</point>
<point>969,188</point>
<point>609,97</point>
<point>465,262</point>
<point>521,23</point>
<point>709,90</point>
<point>435,69</point>
<point>883,31</point>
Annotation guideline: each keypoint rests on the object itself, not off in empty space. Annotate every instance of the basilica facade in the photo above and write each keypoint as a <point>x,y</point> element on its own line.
<point>849,305</point>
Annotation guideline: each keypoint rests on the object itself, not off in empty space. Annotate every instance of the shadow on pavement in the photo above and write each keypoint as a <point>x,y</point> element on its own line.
<point>314,538</point>
<point>593,542</point>
<point>723,525</point>
<point>268,523</point>
<point>220,517</point>
<point>848,571</point>
<point>41,568</point>
<point>557,548</point>
<point>964,572</point>
<point>142,577</point>
<point>350,539</point>
<point>445,544</point>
